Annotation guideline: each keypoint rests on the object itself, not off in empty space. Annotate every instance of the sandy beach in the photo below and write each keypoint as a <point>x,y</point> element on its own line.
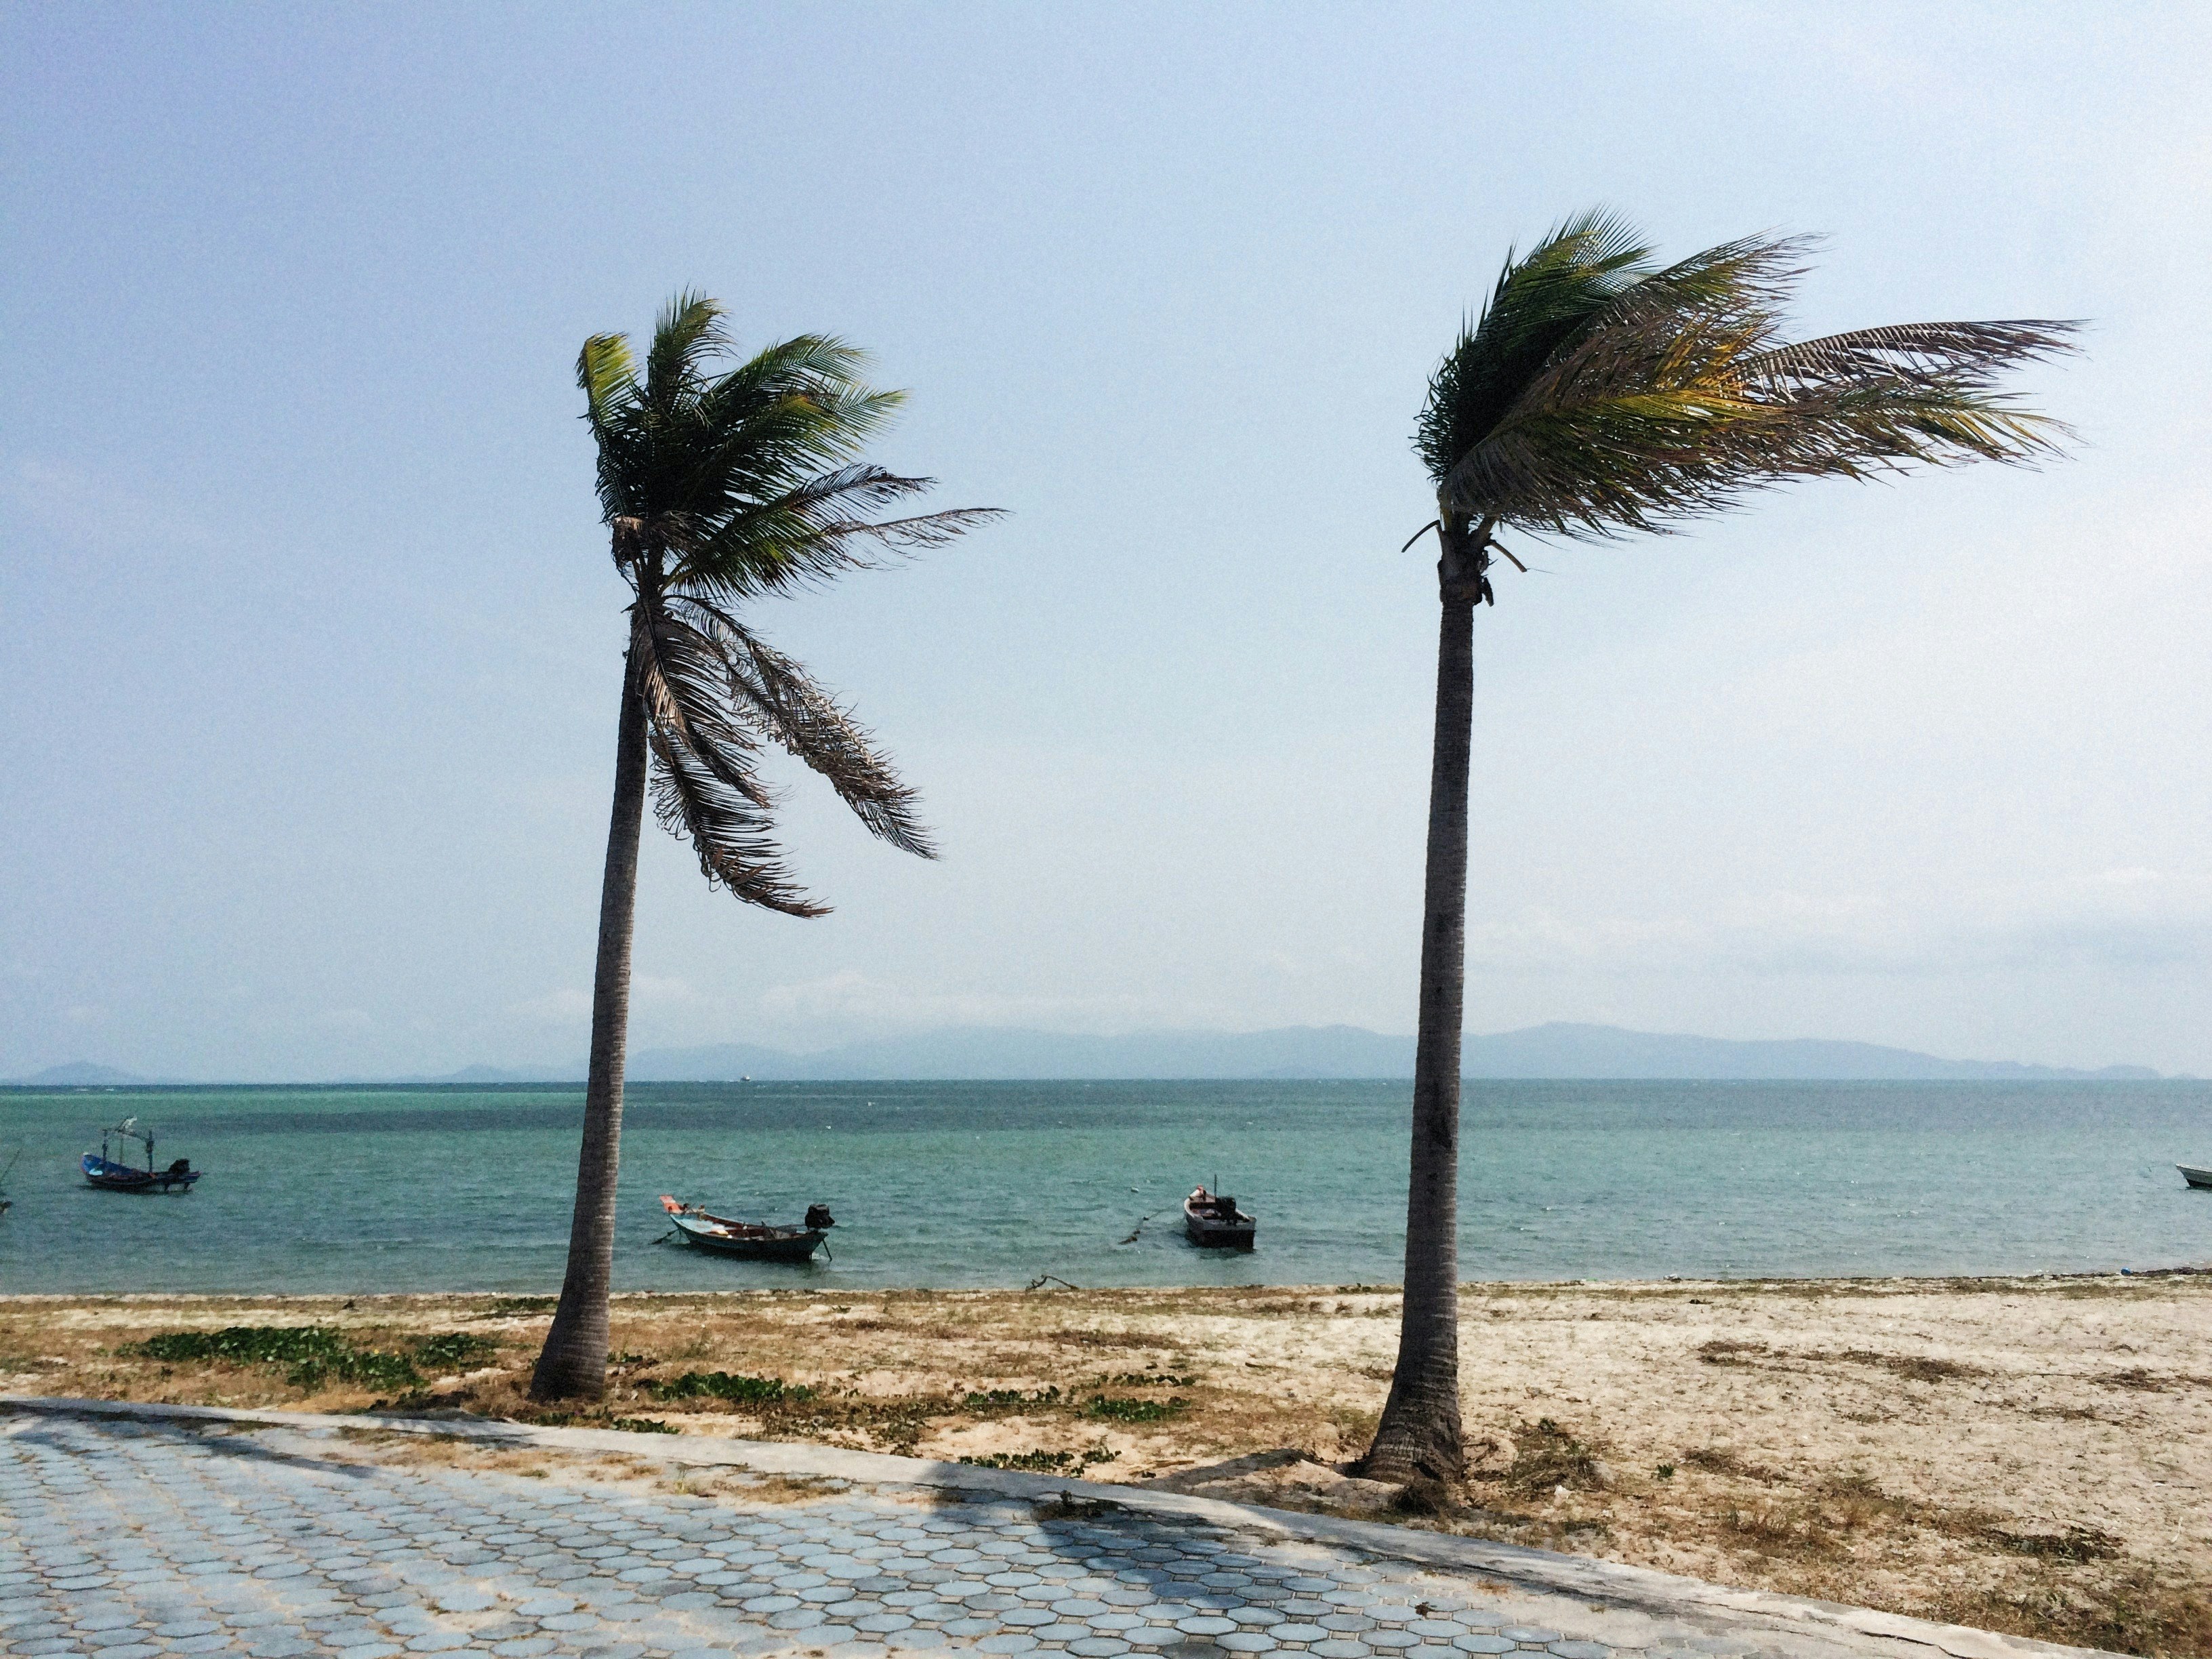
<point>2028,1455</point>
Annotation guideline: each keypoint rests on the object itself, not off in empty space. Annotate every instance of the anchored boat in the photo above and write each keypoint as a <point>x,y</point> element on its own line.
<point>116,1174</point>
<point>1213,1220</point>
<point>2195,1177</point>
<point>755,1241</point>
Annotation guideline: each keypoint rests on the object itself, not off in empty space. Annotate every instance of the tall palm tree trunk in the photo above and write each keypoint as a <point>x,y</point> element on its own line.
<point>1419,1433</point>
<point>574,1361</point>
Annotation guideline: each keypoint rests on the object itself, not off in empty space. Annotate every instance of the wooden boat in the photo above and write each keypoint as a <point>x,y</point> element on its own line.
<point>753,1240</point>
<point>116,1174</point>
<point>2195,1177</point>
<point>1213,1220</point>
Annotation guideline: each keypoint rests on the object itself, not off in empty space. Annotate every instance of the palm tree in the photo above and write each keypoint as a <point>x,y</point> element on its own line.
<point>718,490</point>
<point>1598,396</point>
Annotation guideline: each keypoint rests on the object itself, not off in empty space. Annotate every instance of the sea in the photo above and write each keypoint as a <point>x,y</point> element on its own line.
<point>948,1185</point>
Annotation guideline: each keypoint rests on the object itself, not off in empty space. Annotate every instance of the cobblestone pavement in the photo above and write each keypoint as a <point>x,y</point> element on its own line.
<point>128,1539</point>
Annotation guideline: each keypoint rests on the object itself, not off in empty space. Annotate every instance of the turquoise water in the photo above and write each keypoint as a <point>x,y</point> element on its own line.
<point>995,1183</point>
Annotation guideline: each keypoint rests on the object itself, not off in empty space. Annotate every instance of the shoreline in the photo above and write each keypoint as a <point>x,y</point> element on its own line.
<point>1467,1287</point>
<point>2026,1453</point>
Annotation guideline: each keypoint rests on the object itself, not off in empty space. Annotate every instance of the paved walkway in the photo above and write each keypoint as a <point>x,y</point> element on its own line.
<point>130,1539</point>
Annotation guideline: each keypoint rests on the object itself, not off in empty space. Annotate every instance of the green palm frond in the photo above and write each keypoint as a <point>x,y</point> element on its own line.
<point>725,482</point>
<point>814,532</point>
<point>1541,302</point>
<point>1673,392</point>
<point>687,336</point>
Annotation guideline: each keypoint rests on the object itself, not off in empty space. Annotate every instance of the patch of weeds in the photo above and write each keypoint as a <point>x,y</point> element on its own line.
<point>641,1425</point>
<point>1914,1368</point>
<point>2075,1544</point>
<point>988,1399</point>
<point>1722,1352</point>
<point>1147,1380</point>
<point>1547,1456</point>
<point>1718,1460</point>
<point>453,1350</point>
<point>1046,1462</point>
<point>784,1489</point>
<point>1114,1409</point>
<point>2136,1378</point>
<point>1666,1471</point>
<point>896,1424</point>
<point>726,1385</point>
<point>1772,1531</point>
<point>244,1345</point>
<point>1105,1338</point>
<point>2137,1612</point>
<point>315,1354</point>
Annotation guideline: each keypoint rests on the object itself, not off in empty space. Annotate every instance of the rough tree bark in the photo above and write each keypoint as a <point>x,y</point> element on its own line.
<point>573,1364</point>
<point>1419,1434</point>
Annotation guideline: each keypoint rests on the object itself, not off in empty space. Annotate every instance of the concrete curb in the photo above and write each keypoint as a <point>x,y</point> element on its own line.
<point>1539,1571</point>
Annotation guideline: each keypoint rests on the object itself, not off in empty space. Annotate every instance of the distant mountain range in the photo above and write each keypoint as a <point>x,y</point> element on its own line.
<point>1329,1051</point>
<point>1301,1051</point>
<point>80,1074</point>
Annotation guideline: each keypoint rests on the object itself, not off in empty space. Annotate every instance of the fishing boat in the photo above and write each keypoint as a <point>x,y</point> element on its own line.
<point>116,1174</point>
<point>1212,1219</point>
<point>754,1241</point>
<point>2195,1177</point>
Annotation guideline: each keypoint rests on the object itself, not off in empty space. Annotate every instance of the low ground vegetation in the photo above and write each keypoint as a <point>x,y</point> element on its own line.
<point>2031,1455</point>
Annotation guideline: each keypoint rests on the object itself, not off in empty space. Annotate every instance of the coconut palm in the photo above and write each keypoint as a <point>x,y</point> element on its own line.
<point>718,489</point>
<point>1598,396</point>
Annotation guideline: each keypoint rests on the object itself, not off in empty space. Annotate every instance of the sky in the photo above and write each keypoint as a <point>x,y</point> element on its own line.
<point>310,644</point>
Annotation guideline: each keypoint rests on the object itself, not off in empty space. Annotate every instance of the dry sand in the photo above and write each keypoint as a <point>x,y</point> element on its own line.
<point>2030,1454</point>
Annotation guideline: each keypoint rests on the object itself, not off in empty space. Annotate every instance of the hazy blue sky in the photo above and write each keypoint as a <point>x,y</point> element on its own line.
<point>309,643</point>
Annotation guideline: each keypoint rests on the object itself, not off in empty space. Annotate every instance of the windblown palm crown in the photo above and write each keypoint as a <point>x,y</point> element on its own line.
<point>722,489</point>
<point>1598,396</point>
